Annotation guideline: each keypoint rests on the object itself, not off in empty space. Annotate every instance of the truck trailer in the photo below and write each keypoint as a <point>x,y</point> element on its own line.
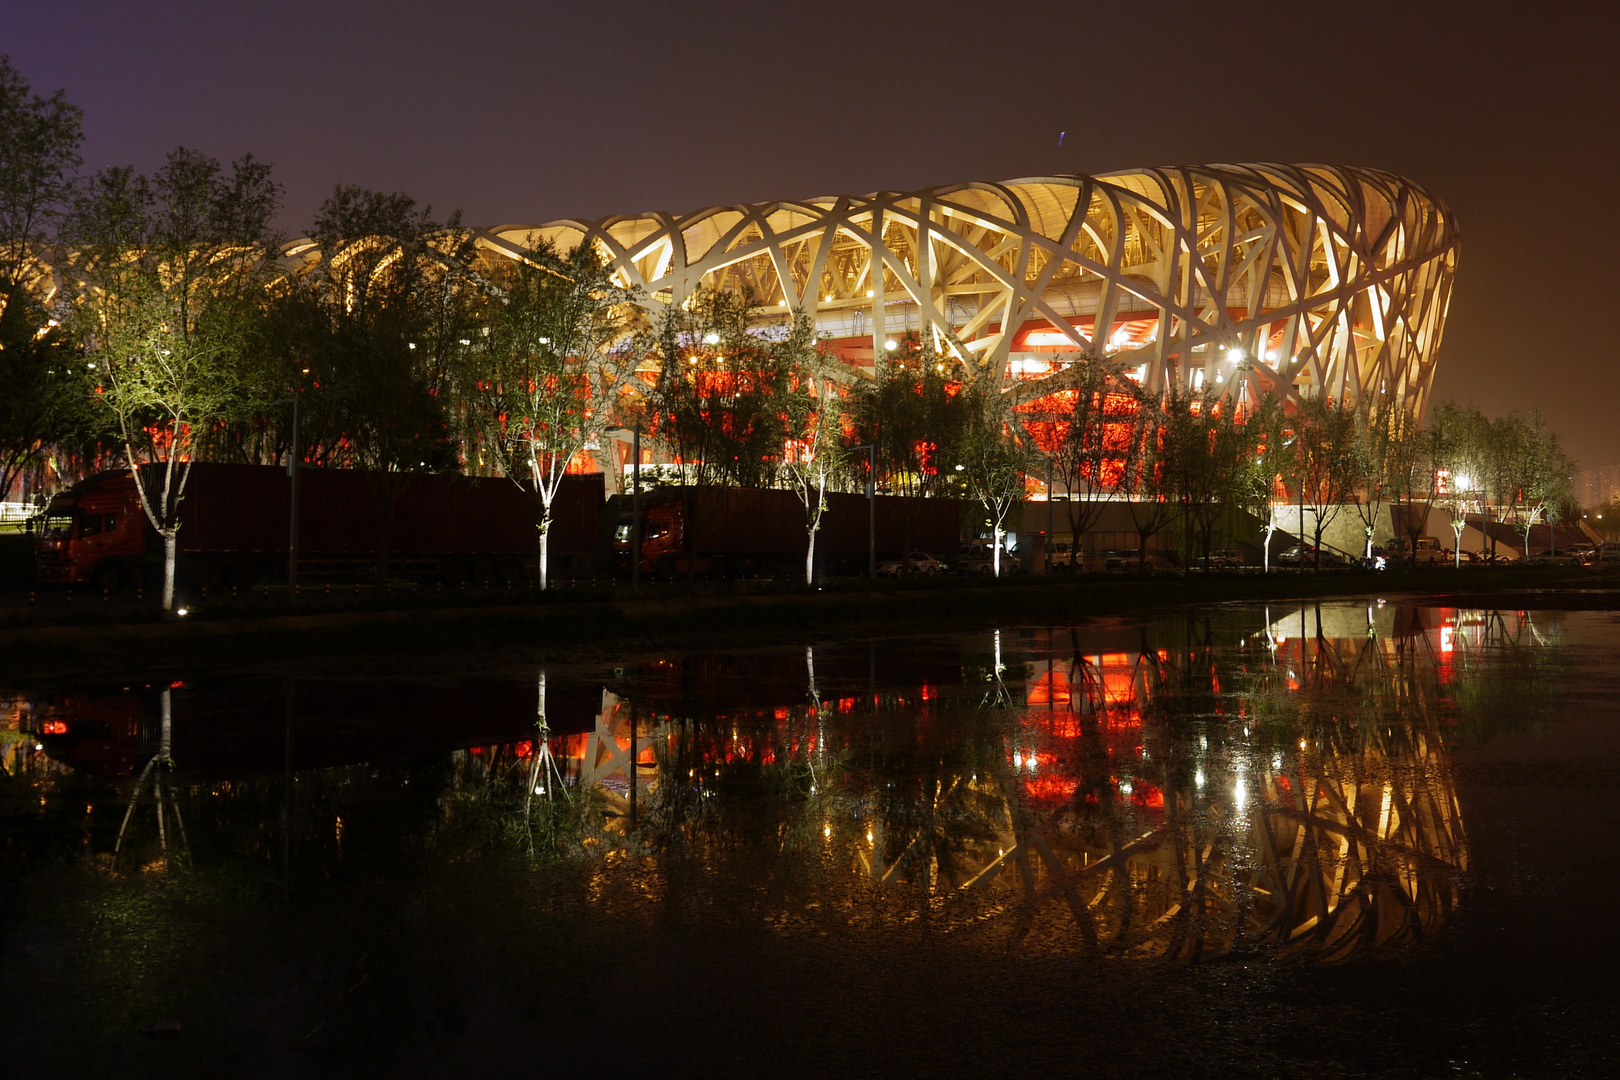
<point>718,532</point>
<point>235,527</point>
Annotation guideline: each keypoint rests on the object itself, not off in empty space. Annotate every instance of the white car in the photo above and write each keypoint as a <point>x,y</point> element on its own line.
<point>915,564</point>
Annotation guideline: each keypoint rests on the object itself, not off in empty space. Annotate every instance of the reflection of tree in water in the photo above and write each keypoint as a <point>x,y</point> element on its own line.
<point>1229,792</point>
<point>157,773</point>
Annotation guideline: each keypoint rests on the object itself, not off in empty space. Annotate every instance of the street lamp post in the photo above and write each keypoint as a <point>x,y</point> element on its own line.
<point>871,508</point>
<point>292,523</point>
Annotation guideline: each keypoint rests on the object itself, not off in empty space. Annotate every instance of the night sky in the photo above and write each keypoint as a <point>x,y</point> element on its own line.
<point>523,113</point>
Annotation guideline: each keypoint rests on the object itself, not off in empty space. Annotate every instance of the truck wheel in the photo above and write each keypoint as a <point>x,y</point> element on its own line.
<point>718,570</point>
<point>109,577</point>
<point>243,575</point>
<point>664,570</point>
<point>455,573</point>
<point>483,572</point>
<point>204,575</point>
<point>511,572</point>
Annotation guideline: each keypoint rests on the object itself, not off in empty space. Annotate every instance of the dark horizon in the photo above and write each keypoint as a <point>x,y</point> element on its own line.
<point>518,115</point>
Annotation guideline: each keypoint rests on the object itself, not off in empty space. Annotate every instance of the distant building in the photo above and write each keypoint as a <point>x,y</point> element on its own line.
<point>1594,487</point>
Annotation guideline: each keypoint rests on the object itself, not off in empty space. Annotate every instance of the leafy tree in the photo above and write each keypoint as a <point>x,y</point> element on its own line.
<point>1460,440</point>
<point>719,392</point>
<point>1326,451</point>
<point>1082,431</point>
<point>171,265</point>
<point>1145,484</point>
<point>815,455</point>
<point>1538,470</point>
<point>539,388</point>
<point>1411,465</point>
<point>995,457</point>
<point>1377,433</point>
<point>1202,446</point>
<point>39,151</point>
<point>913,413</point>
<point>388,311</point>
<point>1266,459</point>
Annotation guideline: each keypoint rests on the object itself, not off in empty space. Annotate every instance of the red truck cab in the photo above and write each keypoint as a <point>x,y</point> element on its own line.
<point>94,532</point>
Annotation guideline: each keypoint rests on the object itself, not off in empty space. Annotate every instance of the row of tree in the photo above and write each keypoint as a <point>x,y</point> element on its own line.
<point>158,319</point>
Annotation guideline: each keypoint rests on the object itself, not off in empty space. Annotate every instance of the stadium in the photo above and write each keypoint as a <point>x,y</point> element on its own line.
<point>1291,280</point>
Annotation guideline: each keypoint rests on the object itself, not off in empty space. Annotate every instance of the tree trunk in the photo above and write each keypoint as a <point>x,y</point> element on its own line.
<point>171,543</point>
<point>995,556</point>
<point>810,559</point>
<point>545,548</point>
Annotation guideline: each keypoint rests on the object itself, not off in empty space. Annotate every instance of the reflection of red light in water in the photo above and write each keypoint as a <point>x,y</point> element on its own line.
<point>475,750</point>
<point>1447,636</point>
<point>1147,796</point>
<point>54,727</point>
<point>782,713</point>
<point>1051,688</point>
<point>1052,787</point>
<point>1058,725</point>
<point>524,748</point>
<point>928,692</point>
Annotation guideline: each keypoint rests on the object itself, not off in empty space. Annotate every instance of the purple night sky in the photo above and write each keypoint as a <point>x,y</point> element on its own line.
<point>530,112</point>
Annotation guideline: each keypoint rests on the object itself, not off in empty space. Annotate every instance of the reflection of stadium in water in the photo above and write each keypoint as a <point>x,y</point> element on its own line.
<point>1189,788</point>
<point>1234,790</point>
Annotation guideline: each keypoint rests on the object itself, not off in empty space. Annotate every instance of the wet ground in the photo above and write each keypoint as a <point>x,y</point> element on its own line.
<point>1371,837</point>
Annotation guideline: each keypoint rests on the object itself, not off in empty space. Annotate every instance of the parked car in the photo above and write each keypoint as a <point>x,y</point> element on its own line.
<point>915,563</point>
<point>1220,559</point>
<point>1555,558</point>
<point>1306,555</point>
<point>982,564</point>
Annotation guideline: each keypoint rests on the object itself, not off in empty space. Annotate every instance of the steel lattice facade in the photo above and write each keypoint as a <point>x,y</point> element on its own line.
<point>1298,280</point>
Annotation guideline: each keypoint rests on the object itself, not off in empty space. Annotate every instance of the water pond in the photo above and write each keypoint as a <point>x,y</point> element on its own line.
<point>1370,835</point>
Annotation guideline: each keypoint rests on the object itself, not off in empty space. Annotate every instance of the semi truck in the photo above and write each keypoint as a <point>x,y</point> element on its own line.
<point>720,532</point>
<point>235,527</point>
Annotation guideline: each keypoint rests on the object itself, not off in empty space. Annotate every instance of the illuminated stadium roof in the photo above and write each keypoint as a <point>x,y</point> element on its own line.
<point>1255,279</point>
<point>1325,279</point>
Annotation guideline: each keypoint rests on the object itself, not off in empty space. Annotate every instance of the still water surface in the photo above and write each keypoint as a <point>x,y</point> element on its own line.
<point>1369,834</point>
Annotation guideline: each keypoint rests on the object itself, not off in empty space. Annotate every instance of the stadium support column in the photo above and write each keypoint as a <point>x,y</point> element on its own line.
<point>874,277</point>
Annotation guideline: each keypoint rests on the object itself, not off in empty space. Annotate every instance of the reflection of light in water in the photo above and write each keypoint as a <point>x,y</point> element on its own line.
<point>1198,779</point>
<point>1125,787</point>
<point>1240,791</point>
